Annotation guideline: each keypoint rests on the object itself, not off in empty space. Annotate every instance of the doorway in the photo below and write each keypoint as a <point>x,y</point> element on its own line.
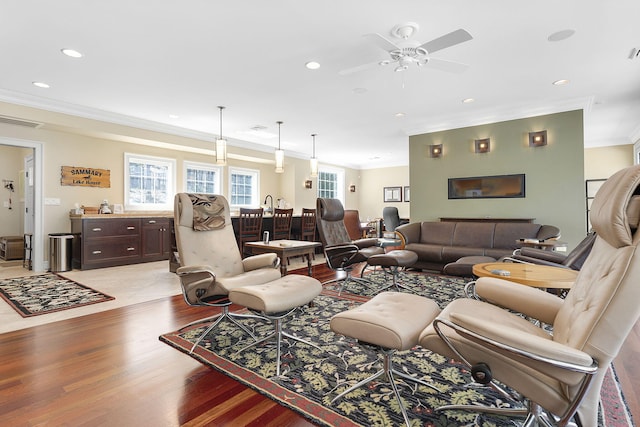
<point>35,162</point>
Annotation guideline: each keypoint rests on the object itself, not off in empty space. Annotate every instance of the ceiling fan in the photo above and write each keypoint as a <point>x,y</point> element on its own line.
<point>406,52</point>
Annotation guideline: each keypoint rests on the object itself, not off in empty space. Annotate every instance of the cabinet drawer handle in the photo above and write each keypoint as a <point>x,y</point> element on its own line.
<point>152,221</point>
<point>131,249</point>
<point>96,252</point>
<point>96,229</point>
<point>131,227</point>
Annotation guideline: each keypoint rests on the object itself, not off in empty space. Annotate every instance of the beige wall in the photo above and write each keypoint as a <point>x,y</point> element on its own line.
<point>370,192</point>
<point>74,141</point>
<point>554,173</point>
<point>603,162</point>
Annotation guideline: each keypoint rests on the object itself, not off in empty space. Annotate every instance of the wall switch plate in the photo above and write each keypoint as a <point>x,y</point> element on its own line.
<point>52,201</point>
<point>6,204</point>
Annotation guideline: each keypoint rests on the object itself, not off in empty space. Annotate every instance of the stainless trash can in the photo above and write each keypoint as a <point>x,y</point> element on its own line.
<point>60,251</point>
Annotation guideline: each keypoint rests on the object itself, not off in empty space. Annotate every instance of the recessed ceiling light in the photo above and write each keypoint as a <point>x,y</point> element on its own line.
<point>312,65</point>
<point>174,116</point>
<point>41,84</point>
<point>561,82</point>
<point>399,114</point>
<point>72,53</point>
<point>468,100</point>
<point>561,35</point>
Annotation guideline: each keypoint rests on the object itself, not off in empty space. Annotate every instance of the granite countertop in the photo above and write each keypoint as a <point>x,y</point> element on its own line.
<point>155,214</point>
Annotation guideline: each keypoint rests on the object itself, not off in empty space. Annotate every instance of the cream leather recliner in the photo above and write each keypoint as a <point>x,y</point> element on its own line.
<point>210,261</point>
<point>557,373</point>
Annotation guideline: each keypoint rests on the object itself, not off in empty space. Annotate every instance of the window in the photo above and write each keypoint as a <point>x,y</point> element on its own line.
<point>243,188</point>
<point>202,178</point>
<point>149,182</point>
<point>331,183</point>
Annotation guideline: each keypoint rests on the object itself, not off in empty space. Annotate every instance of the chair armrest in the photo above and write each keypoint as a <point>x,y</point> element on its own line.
<point>340,255</point>
<point>523,299</point>
<point>528,345</point>
<point>255,262</point>
<point>542,254</point>
<point>537,261</point>
<point>192,269</point>
<point>365,243</point>
<point>410,232</point>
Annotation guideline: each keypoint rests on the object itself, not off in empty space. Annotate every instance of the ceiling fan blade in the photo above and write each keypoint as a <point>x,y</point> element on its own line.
<point>358,68</point>
<point>448,40</point>
<point>382,42</point>
<point>445,65</point>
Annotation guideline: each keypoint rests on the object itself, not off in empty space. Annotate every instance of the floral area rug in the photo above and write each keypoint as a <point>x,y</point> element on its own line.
<point>47,293</point>
<point>311,378</point>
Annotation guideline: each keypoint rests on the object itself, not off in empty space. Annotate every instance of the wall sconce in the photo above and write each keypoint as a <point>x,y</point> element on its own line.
<point>435,150</point>
<point>352,188</point>
<point>538,139</point>
<point>308,184</point>
<point>483,145</point>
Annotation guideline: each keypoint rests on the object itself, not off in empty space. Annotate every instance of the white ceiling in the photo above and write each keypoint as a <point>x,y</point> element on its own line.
<point>145,60</point>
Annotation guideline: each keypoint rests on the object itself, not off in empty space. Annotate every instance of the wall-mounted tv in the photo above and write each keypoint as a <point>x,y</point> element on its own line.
<point>487,187</point>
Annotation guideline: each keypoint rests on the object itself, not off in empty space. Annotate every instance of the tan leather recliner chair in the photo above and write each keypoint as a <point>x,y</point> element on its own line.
<point>210,261</point>
<point>560,373</point>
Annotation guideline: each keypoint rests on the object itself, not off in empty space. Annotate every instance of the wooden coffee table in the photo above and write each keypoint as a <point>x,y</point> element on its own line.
<point>285,249</point>
<point>538,276</point>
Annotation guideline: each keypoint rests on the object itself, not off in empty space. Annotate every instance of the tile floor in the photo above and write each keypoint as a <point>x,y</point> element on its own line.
<point>129,284</point>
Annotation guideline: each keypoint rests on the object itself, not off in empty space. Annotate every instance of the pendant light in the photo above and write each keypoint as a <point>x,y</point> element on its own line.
<point>221,144</point>
<point>279,154</point>
<point>313,162</point>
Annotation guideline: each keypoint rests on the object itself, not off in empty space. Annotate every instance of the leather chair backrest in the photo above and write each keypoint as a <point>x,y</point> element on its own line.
<point>391,218</point>
<point>576,258</point>
<point>330,222</point>
<point>217,248</point>
<point>352,223</point>
<point>602,306</point>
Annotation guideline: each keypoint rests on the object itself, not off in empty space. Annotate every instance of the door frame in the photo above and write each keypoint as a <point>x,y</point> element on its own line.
<point>38,169</point>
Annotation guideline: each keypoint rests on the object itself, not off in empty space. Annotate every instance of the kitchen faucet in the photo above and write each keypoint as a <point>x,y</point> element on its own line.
<point>270,210</point>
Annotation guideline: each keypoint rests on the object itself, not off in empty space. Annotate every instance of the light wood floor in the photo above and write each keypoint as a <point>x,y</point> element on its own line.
<point>109,368</point>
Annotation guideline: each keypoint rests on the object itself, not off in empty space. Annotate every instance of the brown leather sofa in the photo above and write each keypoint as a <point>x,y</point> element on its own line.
<point>440,243</point>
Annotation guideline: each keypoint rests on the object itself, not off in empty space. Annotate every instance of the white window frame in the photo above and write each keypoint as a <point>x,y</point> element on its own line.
<point>340,187</point>
<point>170,164</point>
<point>255,190</point>
<point>209,167</point>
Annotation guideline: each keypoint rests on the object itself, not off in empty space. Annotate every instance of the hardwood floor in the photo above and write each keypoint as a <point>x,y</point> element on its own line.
<point>109,368</point>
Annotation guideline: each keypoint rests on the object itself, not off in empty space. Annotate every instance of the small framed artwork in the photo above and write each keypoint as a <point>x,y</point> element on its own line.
<point>118,208</point>
<point>407,193</point>
<point>392,194</point>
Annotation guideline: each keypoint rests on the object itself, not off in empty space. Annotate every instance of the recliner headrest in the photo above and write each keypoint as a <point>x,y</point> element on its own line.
<point>330,209</point>
<point>615,207</point>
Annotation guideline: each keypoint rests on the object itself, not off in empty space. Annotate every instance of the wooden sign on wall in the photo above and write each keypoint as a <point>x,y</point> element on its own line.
<point>85,177</point>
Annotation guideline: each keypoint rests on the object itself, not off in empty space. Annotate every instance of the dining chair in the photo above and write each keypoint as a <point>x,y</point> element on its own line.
<point>249,227</point>
<point>308,226</point>
<point>282,224</point>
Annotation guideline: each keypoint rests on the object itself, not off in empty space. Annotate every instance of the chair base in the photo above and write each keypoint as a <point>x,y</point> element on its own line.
<point>389,374</point>
<point>395,272</point>
<point>217,319</point>
<point>278,333</point>
<point>345,276</point>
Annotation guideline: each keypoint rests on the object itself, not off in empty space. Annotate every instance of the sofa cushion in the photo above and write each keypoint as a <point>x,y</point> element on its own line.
<point>427,251</point>
<point>474,235</point>
<point>437,233</point>
<point>454,253</point>
<point>507,234</point>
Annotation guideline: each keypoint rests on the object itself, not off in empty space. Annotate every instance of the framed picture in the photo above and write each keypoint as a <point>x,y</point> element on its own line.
<point>392,194</point>
<point>407,193</point>
<point>118,208</point>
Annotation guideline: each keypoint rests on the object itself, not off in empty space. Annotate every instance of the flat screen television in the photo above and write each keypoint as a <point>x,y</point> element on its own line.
<point>487,187</point>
